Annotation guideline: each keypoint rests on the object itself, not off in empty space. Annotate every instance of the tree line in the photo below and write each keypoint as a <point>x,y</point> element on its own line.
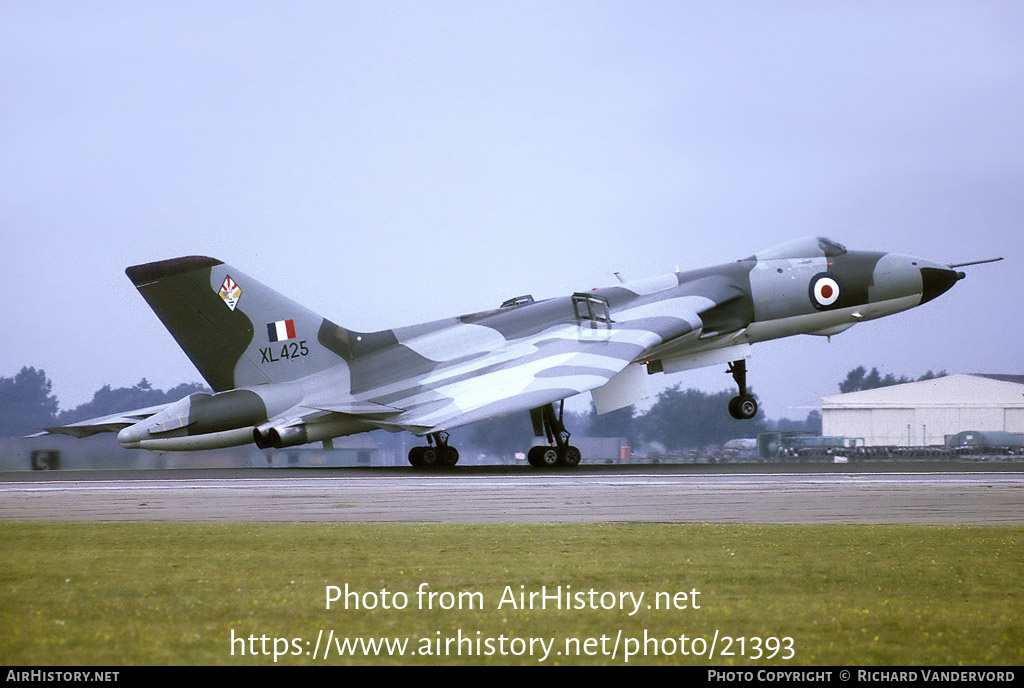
<point>28,405</point>
<point>859,379</point>
<point>678,419</point>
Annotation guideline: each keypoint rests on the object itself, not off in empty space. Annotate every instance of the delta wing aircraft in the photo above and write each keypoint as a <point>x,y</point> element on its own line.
<point>285,376</point>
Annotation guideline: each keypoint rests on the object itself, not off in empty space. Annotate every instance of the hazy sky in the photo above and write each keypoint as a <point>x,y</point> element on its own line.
<point>387,163</point>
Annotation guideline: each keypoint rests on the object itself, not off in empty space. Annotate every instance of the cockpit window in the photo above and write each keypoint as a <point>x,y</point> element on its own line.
<point>830,247</point>
<point>808,247</point>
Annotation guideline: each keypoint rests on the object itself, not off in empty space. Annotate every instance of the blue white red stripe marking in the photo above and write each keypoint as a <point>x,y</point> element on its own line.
<point>281,330</point>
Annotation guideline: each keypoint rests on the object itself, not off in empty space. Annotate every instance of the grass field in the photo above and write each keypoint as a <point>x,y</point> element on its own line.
<point>140,593</point>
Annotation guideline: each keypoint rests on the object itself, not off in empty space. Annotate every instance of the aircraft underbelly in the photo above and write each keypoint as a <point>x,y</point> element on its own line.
<point>811,323</point>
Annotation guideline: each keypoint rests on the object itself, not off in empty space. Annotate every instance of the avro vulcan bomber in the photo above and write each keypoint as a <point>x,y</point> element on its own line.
<point>285,376</point>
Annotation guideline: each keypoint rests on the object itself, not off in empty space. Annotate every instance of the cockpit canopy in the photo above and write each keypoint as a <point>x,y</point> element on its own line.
<point>807,247</point>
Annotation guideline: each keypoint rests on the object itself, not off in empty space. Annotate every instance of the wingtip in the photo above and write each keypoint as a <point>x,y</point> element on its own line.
<point>151,272</point>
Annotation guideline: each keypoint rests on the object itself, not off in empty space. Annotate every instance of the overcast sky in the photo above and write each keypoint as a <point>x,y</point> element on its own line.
<point>386,163</point>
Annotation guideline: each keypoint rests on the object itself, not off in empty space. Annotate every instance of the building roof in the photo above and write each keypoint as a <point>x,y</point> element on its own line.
<point>1019,379</point>
<point>952,390</point>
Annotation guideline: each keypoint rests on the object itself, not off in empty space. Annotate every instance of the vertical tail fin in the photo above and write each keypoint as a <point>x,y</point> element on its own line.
<point>235,330</point>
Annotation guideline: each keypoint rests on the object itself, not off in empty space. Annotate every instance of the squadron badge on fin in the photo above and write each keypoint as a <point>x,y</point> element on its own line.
<point>230,292</point>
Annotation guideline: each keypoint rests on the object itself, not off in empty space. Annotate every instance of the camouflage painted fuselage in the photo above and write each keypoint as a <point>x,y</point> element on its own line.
<point>284,375</point>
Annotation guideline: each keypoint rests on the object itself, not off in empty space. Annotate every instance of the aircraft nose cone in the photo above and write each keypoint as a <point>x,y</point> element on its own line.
<point>937,281</point>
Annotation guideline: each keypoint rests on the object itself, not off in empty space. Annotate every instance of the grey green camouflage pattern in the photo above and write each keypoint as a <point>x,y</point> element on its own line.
<point>284,375</point>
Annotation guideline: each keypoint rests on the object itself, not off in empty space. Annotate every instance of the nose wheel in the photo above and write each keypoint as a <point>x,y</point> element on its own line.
<point>744,406</point>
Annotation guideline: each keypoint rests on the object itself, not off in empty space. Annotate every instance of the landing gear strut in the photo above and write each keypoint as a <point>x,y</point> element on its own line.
<point>547,423</point>
<point>743,407</point>
<point>437,452</point>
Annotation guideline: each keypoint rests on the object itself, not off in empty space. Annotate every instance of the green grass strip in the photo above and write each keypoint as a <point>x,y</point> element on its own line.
<point>143,593</point>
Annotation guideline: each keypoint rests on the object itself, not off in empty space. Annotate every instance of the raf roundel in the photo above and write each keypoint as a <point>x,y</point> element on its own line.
<point>825,290</point>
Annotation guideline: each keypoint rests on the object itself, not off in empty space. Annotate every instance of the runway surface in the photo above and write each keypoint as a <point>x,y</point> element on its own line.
<point>516,495</point>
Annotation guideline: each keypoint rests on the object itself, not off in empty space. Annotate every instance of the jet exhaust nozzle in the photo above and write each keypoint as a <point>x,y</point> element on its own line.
<point>279,435</point>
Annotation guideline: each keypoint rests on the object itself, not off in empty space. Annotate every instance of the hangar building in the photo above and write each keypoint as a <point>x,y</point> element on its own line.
<point>924,413</point>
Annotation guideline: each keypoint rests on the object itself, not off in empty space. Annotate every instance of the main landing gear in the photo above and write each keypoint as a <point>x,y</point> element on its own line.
<point>558,451</point>
<point>437,452</point>
<point>743,407</point>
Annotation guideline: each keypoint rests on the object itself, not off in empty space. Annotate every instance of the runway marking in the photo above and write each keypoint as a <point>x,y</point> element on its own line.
<point>415,483</point>
<point>980,498</point>
<point>652,479</point>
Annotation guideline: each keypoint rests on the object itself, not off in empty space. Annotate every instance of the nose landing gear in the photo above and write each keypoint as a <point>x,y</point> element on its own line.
<point>744,406</point>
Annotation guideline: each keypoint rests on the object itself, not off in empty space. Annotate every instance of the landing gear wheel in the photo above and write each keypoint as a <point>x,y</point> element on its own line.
<point>426,456</point>
<point>429,456</point>
<point>543,457</point>
<point>449,456</point>
<point>557,452</point>
<point>743,407</point>
<point>437,453</point>
<point>548,457</point>
<point>569,456</point>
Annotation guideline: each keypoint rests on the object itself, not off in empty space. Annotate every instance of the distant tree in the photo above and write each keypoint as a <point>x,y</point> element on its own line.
<point>873,380</point>
<point>859,379</point>
<point>623,422</point>
<point>106,400</point>
<point>26,403</point>
<point>501,436</point>
<point>509,435</point>
<point>854,380</point>
<point>694,419</point>
<point>812,424</point>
